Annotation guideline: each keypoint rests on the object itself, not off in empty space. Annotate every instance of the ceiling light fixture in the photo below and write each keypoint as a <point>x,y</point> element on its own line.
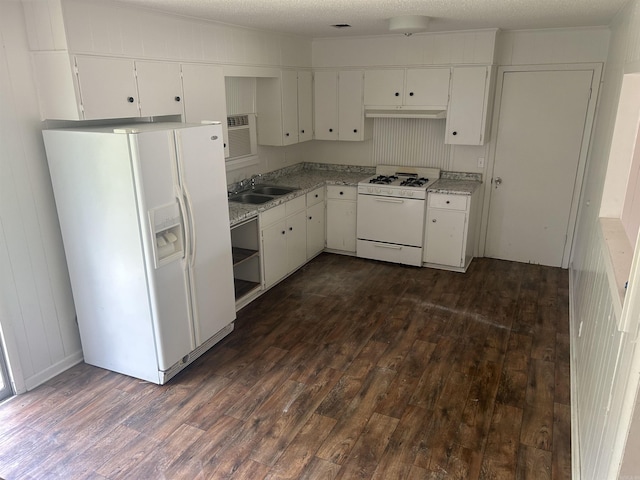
<point>408,24</point>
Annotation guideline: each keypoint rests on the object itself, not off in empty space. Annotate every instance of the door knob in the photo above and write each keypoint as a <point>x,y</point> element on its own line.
<point>497,181</point>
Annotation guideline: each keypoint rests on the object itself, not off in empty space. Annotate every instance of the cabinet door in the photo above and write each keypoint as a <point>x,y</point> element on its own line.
<point>204,96</point>
<point>159,88</point>
<point>107,87</point>
<point>274,253</point>
<point>427,86</point>
<point>350,106</point>
<point>445,231</point>
<point>341,225</point>
<point>296,240</point>
<point>467,115</point>
<point>305,106</point>
<point>383,87</point>
<point>315,229</point>
<point>325,105</point>
<point>289,107</point>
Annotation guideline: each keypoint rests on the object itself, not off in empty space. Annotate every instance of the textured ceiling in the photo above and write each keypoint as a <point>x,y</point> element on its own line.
<point>313,18</point>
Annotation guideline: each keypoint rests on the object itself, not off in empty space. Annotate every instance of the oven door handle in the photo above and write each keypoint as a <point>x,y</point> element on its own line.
<point>386,245</point>
<point>389,200</point>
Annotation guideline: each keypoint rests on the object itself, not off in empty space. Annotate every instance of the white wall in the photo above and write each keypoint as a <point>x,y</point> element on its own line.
<point>601,353</point>
<point>37,316</point>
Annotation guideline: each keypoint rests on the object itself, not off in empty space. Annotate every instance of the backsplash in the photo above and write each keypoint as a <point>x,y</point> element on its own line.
<point>410,142</point>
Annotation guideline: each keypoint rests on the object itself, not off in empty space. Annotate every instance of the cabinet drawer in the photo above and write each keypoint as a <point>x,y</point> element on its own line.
<point>390,253</point>
<point>342,192</point>
<point>451,202</point>
<point>295,205</point>
<point>272,215</point>
<point>315,196</point>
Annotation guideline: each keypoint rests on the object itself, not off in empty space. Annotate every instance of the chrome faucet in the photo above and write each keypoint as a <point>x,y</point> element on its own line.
<point>254,178</point>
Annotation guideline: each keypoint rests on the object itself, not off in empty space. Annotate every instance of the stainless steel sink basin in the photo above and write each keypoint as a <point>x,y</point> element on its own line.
<point>273,190</point>
<point>253,198</point>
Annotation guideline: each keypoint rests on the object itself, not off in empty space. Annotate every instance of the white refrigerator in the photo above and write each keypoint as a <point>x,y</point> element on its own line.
<point>145,223</point>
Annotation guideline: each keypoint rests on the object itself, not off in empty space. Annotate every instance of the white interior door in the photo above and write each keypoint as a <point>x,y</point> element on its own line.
<point>5,385</point>
<point>540,143</point>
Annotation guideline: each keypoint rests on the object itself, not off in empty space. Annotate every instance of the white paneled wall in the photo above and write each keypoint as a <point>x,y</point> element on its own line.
<point>561,45</point>
<point>410,142</point>
<point>36,307</point>
<point>448,48</point>
<point>108,28</point>
<point>601,354</point>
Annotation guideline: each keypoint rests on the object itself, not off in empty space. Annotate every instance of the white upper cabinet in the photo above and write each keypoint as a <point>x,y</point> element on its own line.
<point>91,88</point>
<point>159,88</point>
<point>469,107</point>
<point>107,88</point>
<point>325,102</point>
<point>338,106</point>
<point>384,87</point>
<point>423,87</point>
<point>351,122</point>
<point>427,87</point>
<point>305,106</point>
<point>279,101</point>
<point>204,96</point>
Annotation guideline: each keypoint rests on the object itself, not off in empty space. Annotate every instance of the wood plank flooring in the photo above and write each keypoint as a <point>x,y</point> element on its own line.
<point>349,369</point>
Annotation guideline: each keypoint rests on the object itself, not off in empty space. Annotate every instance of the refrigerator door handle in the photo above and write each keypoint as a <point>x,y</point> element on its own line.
<point>186,231</point>
<point>192,229</point>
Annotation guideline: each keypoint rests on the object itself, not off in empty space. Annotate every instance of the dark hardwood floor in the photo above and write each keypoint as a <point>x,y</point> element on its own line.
<point>348,369</point>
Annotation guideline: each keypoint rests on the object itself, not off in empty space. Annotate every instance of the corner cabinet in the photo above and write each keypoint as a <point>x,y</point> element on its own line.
<point>338,106</point>
<point>341,218</point>
<point>468,115</point>
<point>450,231</point>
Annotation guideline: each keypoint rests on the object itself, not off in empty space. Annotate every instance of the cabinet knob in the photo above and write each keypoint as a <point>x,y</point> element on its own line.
<point>177,99</point>
<point>316,195</point>
<point>355,130</point>
<point>434,220</point>
<point>411,94</point>
<point>301,131</point>
<point>448,202</point>
<point>331,130</point>
<point>291,229</point>
<point>283,232</point>
<point>397,94</point>
<point>341,193</point>
<point>310,218</point>
<point>454,133</point>
<point>131,99</point>
<point>286,134</point>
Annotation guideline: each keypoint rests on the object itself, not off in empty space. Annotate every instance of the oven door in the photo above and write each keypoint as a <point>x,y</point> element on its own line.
<point>391,219</point>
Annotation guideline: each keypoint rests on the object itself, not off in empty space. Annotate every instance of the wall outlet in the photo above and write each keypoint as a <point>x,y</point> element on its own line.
<point>480,162</point>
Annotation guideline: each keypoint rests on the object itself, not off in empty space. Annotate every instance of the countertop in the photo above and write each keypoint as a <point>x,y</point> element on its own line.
<point>309,178</point>
<point>454,186</point>
<point>305,179</point>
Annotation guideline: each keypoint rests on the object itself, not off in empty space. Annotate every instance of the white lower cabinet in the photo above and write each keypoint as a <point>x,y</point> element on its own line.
<point>284,240</point>
<point>316,222</point>
<point>341,218</point>
<point>448,236</point>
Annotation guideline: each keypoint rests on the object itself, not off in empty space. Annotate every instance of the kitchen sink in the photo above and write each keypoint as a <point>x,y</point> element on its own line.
<point>261,194</point>
<point>253,198</point>
<point>273,190</point>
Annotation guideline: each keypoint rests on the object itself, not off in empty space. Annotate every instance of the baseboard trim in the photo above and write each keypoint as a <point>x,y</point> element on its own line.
<point>55,369</point>
<point>575,428</point>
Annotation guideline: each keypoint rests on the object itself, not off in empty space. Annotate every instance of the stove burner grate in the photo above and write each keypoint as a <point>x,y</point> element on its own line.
<point>414,182</point>
<point>383,179</point>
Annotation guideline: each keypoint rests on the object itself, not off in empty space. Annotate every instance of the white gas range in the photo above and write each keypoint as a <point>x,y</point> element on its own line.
<point>391,213</point>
